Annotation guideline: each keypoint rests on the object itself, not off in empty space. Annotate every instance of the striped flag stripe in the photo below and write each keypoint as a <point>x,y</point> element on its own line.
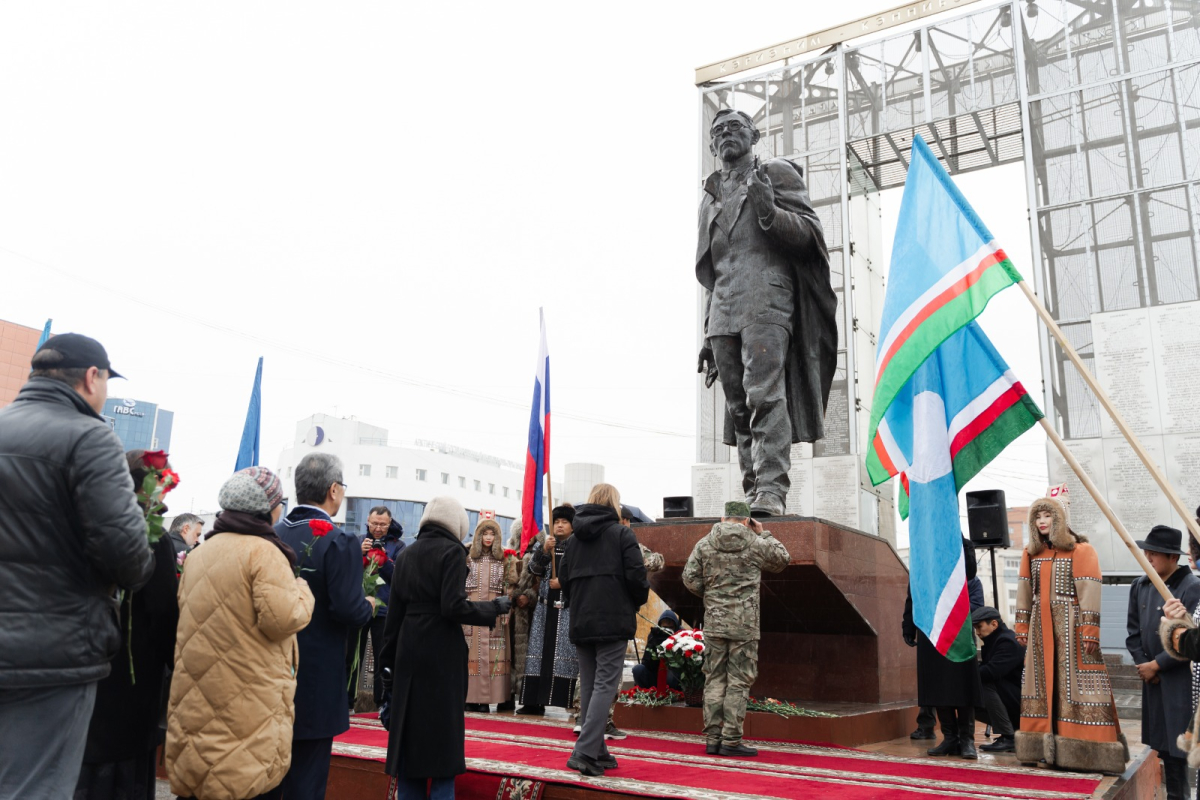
<point>947,607</point>
<point>904,322</point>
<point>971,411</point>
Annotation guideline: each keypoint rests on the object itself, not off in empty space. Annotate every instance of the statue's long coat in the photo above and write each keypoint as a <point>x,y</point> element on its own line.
<point>796,232</point>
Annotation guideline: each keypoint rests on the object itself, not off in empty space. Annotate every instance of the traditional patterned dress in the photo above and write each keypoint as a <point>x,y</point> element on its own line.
<point>1068,717</point>
<point>487,668</point>
<point>551,665</point>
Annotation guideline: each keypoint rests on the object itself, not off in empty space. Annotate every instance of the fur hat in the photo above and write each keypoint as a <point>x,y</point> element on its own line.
<point>514,533</point>
<point>253,490</point>
<point>448,513</point>
<point>483,527</point>
<point>1061,535</point>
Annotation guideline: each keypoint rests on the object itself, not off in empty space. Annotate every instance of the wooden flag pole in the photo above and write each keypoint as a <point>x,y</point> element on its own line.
<point>1155,472</point>
<point>1104,507</point>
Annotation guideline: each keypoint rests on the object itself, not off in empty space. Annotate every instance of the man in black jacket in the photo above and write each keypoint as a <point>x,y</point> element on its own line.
<point>334,573</point>
<point>645,674</point>
<point>1003,659</point>
<point>384,535</point>
<point>71,536</point>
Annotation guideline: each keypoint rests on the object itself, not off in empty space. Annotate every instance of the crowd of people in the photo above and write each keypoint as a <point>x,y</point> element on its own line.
<point>240,657</point>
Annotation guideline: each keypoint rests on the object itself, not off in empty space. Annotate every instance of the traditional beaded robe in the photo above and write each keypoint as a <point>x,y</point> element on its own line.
<point>488,679</point>
<point>1068,717</point>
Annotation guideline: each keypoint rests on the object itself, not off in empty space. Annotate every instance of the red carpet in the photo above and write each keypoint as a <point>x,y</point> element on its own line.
<point>675,766</point>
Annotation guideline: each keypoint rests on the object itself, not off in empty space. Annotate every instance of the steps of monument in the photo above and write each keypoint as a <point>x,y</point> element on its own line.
<point>1129,704</point>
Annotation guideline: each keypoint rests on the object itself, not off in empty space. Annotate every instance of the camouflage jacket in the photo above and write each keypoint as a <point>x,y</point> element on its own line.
<point>652,560</point>
<point>725,568</point>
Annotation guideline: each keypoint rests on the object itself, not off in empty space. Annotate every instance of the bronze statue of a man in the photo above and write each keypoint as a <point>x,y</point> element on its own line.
<point>770,322</point>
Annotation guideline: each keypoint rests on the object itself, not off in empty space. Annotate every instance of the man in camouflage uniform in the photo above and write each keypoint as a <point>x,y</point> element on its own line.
<point>725,569</point>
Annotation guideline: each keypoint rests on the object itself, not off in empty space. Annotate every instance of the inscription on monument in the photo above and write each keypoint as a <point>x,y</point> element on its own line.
<point>1132,492</point>
<point>1125,369</point>
<point>837,424</point>
<point>835,489</point>
<point>1176,337</point>
<point>1086,517</point>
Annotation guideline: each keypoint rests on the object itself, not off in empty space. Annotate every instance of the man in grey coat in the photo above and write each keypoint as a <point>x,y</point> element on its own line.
<point>770,323</point>
<point>71,536</point>
<point>1166,681</point>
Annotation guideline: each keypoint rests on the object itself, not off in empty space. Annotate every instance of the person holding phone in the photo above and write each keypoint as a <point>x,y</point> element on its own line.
<point>725,569</point>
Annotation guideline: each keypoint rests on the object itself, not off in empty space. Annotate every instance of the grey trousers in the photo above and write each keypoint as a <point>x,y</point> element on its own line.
<point>600,667</point>
<point>996,714</point>
<point>753,371</point>
<point>43,732</point>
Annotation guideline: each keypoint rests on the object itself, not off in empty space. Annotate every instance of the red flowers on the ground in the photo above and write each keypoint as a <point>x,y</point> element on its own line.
<point>155,459</point>
<point>319,527</point>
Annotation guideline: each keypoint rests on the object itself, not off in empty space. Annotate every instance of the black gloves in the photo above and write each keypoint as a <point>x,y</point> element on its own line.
<point>502,604</point>
<point>911,641</point>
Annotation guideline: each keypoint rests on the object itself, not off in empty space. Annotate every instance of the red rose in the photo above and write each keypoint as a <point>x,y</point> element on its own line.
<point>169,480</point>
<point>155,459</point>
<point>376,557</point>
<point>319,527</point>
<point>668,645</point>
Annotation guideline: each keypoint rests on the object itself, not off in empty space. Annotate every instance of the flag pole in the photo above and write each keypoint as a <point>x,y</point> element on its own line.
<point>1088,378</point>
<point>550,508</point>
<point>1106,509</point>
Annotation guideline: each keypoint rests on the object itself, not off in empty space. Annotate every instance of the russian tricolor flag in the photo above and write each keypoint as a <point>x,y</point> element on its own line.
<point>537,454</point>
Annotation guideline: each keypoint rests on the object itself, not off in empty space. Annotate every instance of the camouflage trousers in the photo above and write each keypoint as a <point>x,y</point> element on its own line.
<point>730,667</point>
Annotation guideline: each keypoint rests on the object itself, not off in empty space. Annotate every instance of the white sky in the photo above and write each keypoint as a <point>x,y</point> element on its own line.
<point>377,197</point>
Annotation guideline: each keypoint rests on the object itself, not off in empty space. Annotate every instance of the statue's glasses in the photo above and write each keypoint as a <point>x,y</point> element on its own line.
<point>733,126</point>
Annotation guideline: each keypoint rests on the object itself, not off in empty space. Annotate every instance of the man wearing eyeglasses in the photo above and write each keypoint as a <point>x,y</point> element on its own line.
<point>331,562</point>
<point>770,328</point>
<point>383,536</point>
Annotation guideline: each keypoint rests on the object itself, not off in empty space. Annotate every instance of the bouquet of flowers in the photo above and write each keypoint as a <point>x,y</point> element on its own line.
<point>684,653</point>
<point>783,708</point>
<point>158,482</point>
<point>373,561</point>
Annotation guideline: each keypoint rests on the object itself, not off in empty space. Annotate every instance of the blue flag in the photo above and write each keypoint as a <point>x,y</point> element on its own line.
<point>45,334</point>
<point>248,450</point>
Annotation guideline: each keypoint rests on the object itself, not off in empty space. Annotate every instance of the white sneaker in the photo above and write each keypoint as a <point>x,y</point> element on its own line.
<point>577,730</point>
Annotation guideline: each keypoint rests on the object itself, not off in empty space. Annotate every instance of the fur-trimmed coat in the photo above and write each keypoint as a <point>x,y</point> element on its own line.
<point>1058,610</point>
<point>1181,640</point>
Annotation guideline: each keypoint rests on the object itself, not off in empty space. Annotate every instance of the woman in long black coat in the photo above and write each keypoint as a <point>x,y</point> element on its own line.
<point>423,642</point>
<point>952,687</point>
<point>118,762</point>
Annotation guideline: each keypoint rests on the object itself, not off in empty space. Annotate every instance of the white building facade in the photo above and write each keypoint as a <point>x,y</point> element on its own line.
<point>403,477</point>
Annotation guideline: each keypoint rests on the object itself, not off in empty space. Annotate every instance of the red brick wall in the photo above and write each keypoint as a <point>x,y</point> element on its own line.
<point>17,344</point>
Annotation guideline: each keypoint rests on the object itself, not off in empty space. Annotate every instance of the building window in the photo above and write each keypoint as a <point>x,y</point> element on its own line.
<point>446,477</point>
<point>420,474</point>
<point>393,472</point>
<point>462,482</point>
<point>491,488</point>
<point>506,491</point>
<point>364,470</point>
<point>478,486</point>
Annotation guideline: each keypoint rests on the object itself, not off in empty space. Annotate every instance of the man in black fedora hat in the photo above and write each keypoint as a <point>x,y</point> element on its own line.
<point>1166,682</point>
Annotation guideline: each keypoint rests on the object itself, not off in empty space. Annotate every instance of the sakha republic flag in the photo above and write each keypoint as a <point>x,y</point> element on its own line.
<point>945,402</point>
<point>537,453</point>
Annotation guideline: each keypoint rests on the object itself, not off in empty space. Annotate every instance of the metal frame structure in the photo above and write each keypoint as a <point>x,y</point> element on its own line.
<point>1099,98</point>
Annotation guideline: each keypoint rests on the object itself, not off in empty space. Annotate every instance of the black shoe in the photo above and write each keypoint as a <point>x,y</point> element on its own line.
<point>737,750</point>
<point>948,747</point>
<point>606,762</point>
<point>923,733</point>
<point>1005,744</point>
<point>507,706</point>
<point>531,710</point>
<point>611,731</point>
<point>966,749</point>
<point>585,766</point>
<point>712,749</point>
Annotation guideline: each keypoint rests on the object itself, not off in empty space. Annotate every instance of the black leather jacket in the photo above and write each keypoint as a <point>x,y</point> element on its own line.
<point>71,532</point>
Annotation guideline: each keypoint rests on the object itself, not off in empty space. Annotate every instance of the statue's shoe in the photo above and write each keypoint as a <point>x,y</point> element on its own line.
<point>766,505</point>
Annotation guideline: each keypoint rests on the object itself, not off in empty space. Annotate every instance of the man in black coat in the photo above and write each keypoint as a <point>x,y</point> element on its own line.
<point>1166,681</point>
<point>384,536</point>
<point>71,536</point>
<point>645,674</point>
<point>424,646</point>
<point>952,687</point>
<point>334,572</point>
<point>1003,660</point>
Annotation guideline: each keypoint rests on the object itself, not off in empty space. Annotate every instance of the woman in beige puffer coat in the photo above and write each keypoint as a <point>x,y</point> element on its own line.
<point>229,723</point>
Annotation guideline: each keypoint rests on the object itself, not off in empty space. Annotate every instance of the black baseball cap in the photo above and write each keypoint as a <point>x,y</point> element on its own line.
<point>79,352</point>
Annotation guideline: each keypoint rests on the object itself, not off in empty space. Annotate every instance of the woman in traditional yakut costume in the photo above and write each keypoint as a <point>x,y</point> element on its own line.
<point>1068,718</point>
